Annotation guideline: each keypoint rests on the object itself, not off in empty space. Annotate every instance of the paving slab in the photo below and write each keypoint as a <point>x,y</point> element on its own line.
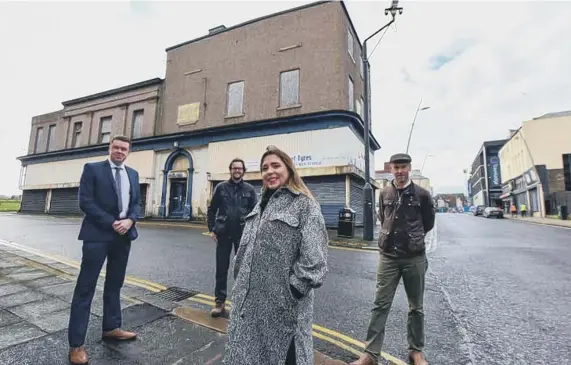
<point>45,282</point>
<point>37,310</point>
<point>30,275</point>
<point>5,280</point>
<point>17,268</point>
<point>52,322</point>
<point>12,288</point>
<point>18,333</point>
<point>7,318</point>
<point>20,298</point>
<point>63,291</point>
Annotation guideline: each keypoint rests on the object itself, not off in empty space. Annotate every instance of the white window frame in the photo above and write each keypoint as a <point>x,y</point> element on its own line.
<point>359,107</point>
<point>351,86</point>
<point>290,100</point>
<point>105,136</point>
<point>235,99</point>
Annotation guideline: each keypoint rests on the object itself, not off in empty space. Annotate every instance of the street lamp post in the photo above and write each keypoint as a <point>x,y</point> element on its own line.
<point>424,162</point>
<point>418,109</point>
<point>368,231</point>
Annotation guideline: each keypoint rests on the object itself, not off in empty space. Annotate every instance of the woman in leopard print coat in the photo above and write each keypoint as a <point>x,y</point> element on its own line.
<point>281,260</point>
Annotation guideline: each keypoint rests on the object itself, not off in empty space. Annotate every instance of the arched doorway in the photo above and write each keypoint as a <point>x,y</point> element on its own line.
<point>177,186</point>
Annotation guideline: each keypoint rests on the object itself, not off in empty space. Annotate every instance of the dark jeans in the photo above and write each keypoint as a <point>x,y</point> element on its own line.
<point>390,270</point>
<point>94,254</point>
<point>223,253</point>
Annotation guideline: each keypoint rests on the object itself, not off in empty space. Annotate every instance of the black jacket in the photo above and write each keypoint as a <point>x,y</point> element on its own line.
<point>406,217</point>
<point>231,203</point>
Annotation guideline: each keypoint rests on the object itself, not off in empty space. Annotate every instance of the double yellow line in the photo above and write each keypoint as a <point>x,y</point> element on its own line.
<point>340,340</point>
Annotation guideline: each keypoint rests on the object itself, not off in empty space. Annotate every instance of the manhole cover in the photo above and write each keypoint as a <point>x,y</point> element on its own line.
<point>175,294</point>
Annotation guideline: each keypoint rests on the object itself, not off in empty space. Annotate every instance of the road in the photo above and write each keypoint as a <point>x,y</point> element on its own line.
<point>497,290</point>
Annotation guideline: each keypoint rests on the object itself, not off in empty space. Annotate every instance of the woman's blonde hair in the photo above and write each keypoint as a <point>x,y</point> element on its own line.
<point>295,183</point>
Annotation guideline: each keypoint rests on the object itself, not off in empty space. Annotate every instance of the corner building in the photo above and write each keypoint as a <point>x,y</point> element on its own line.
<point>293,79</point>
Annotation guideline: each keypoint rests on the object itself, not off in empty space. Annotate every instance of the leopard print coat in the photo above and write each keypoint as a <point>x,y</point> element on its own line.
<point>283,247</point>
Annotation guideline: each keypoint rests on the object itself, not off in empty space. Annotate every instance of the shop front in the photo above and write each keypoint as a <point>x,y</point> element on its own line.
<point>524,189</point>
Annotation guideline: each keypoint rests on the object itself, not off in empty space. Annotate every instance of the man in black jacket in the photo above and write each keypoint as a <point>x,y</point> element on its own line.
<point>407,214</point>
<point>231,202</point>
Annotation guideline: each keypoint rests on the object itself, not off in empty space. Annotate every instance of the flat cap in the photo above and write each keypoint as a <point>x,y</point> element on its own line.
<point>400,158</point>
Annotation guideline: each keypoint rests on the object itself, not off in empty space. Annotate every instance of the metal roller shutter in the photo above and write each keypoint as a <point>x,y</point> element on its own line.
<point>65,201</point>
<point>33,201</point>
<point>144,188</point>
<point>330,193</point>
<point>357,201</point>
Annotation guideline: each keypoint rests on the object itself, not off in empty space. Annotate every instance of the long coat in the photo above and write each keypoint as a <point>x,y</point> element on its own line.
<point>283,247</point>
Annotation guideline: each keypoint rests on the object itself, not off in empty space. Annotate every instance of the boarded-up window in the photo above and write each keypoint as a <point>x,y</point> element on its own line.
<point>350,44</point>
<point>51,137</point>
<point>351,95</point>
<point>76,138</point>
<point>235,99</point>
<point>289,88</point>
<point>105,130</point>
<point>138,116</point>
<point>39,137</point>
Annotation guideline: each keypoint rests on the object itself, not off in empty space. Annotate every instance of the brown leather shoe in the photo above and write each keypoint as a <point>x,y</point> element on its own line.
<point>365,359</point>
<point>218,310</point>
<point>119,335</point>
<point>78,356</point>
<point>417,358</point>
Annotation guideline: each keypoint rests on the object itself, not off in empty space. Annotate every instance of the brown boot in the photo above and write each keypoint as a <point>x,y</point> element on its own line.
<point>78,356</point>
<point>119,335</point>
<point>218,310</point>
<point>365,359</point>
<point>417,358</point>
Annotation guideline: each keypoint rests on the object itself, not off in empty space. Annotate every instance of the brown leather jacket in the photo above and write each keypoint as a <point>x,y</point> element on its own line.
<point>405,220</point>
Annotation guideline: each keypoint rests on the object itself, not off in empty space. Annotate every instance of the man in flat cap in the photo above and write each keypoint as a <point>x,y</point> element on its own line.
<point>407,214</point>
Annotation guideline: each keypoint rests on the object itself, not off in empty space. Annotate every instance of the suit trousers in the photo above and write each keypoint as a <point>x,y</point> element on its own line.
<point>94,254</point>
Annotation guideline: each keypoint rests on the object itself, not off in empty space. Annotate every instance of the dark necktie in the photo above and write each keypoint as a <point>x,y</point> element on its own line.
<point>118,185</point>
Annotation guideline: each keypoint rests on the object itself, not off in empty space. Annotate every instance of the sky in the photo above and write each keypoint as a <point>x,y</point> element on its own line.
<point>482,67</point>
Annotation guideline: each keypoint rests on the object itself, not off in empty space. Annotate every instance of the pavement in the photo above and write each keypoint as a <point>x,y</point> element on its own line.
<point>496,290</point>
<point>35,297</point>
<point>543,221</point>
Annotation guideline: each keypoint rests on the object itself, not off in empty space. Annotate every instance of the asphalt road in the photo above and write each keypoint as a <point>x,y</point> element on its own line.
<point>497,290</point>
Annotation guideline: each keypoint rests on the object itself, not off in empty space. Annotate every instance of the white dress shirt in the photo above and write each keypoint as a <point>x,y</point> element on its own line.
<point>125,187</point>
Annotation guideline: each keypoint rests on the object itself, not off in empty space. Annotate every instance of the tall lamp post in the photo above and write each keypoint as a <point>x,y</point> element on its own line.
<point>424,162</point>
<point>418,109</point>
<point>368,218</point>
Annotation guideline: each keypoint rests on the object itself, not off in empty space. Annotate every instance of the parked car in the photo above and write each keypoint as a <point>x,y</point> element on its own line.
<point>493,212</point>
<point>478,210</point>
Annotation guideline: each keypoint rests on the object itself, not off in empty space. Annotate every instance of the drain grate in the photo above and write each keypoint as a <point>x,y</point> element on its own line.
<point>175,294</point>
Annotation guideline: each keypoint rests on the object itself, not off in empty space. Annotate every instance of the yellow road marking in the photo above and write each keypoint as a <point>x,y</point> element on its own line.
<point>209,300</point>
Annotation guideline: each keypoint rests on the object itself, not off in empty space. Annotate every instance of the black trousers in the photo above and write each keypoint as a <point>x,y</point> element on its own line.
<point>290,359</point>
<point>223,254</point>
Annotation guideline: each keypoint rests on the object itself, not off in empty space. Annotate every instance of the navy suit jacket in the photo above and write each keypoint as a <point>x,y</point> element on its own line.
<point>98,200</point>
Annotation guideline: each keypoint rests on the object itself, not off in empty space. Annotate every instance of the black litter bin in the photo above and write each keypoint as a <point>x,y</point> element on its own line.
<point>563,212</point>
<point>346,225</point>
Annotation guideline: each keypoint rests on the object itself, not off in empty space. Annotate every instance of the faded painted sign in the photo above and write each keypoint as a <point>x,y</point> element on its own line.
<point>188,113</point>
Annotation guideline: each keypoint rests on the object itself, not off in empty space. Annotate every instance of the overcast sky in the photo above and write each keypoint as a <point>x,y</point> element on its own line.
<point>482,67</point>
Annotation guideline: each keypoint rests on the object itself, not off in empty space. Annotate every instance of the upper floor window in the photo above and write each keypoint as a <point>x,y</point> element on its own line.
<point>235,99</point>
<point>360,107</point>
<point>350,44</point>
<point>351,95</point>
<point>138,117</point>
<point>51,137</point>
<point>362,68</point>
<point>105,130</point>
<point>38,141</point>
<point>289,88</point>
<point>76,137</point>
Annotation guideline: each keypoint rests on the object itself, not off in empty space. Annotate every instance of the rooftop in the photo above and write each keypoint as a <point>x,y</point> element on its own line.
<point>112,92</point>
<point>554,115</point>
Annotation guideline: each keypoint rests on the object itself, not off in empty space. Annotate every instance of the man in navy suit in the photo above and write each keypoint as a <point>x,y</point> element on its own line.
<point>110,197</point>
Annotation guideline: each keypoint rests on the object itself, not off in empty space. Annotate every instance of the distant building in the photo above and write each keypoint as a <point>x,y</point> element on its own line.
<point>536,164</point>
<point>485,184</point>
